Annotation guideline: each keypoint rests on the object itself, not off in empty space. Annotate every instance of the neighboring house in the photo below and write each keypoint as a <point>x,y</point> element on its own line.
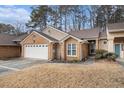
<point>8,48</point>
<point>53,44</point>
<point>92,36</point>
<point>115,37</point>
<point>112,39</point>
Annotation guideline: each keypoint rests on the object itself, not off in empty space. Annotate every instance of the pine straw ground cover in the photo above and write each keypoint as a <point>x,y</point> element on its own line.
<point>99,74</point>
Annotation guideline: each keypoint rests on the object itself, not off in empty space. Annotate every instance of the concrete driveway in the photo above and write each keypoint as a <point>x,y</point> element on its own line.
<point>7,66</point>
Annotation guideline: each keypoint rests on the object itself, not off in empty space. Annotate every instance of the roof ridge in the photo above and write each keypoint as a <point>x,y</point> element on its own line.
<point>57,29</point>
<point>46,35</point>
<point>7,34</point>
<point>85,29</point>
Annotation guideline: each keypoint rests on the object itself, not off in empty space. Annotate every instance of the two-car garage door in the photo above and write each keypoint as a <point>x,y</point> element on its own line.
<point>36,51</point>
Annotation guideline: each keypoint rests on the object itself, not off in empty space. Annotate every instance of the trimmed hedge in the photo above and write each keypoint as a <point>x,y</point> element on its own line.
<point>103,54</point>
<point>111,56</point>
<point>100,54</point>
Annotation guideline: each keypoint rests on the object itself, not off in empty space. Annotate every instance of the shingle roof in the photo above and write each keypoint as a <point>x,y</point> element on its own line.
<point>45,35</point>
<point>6,39</point>
<point>115,27</point>
<point>103,35</point>
<point>87,33</point>
<point>20,37</point>
<point>94,33</point>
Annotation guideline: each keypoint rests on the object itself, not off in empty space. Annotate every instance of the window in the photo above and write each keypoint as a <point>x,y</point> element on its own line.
<point>71,49</point>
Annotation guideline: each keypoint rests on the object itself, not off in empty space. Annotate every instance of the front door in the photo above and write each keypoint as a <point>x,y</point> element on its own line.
<point>117,49</point>
<point>92,48</point>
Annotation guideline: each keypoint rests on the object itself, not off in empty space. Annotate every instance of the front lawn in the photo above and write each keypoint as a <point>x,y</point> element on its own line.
<point>100,74</point>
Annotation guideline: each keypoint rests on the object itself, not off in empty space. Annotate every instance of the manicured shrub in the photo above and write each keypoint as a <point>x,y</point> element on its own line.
<point>103,54</point>
<point>100,51</point>
<point>111,56</point>
<point>100,54</point>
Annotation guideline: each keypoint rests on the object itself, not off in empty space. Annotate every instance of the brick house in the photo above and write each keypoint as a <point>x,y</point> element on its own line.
<point>52,43</point>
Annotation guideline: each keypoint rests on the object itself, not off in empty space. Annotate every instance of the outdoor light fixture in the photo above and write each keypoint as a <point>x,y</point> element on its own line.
<point>105,42</point>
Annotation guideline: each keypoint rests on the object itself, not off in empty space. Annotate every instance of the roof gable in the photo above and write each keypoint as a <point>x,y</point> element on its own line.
<point>50,39</point>
<point>47,37</point>
<point>70,36</point>
<point>54,33</point>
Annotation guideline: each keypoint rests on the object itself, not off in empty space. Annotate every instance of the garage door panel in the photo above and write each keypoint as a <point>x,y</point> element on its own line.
<point>36,51</point>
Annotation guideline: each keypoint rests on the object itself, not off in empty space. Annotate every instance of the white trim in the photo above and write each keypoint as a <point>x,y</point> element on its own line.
<point>71,50</point>
<point>31,34</point>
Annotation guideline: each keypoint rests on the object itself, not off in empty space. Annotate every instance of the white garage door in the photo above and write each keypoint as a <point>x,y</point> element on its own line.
<point>36,51</point>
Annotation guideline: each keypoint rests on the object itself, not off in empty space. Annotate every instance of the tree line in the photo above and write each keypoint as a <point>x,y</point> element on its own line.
<point>68,17</point>
<point>75,17</point>
<point>17,29</point>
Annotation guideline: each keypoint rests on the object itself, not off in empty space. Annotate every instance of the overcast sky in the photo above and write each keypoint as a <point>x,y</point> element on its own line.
<point>13,14</point>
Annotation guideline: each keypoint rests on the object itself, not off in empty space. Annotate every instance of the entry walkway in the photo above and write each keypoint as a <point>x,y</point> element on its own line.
<point>90,60</point>
<point>120,61</point>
